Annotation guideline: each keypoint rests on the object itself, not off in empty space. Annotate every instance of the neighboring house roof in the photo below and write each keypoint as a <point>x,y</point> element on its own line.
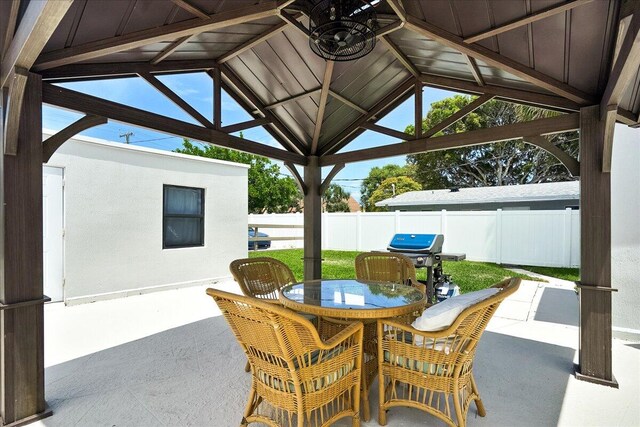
<point>354,206</point>
<point>502,194</point>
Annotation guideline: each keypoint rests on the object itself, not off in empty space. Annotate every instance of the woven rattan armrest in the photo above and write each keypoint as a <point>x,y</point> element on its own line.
<point>341,336</point>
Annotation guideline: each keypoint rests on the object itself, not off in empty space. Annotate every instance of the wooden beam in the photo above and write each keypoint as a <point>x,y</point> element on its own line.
<point>337,143</point>
<point>537,16</point>
<point>347,102</point>
<point>76,101</point>
<point>475,71</point>
<point>12,19</point>
<point>398,9</point>
<point>39,21</point>
<point>609,130</point>
<point>496,60</point>
<point>312,220</point>
<point>418,111</point>
<point>244,125</point>
<point>513,95</point>
<point>572,165</point>
<point>51,144</point>
<point>563,123</point>
<point>17,86</point>
<point>458,115</point>
<point>173,97</point>
<point>238,85</point>
<point>293,98</point>
<point>388,29</point>
<point>123,69</point>
<point>400,56</point>
<point>141,38</point>
<point>595,356</point>
<point>169,50</point>
<point>624,69</point>
<point>296,177</point>
<point>332,174</point>
<point>324,96</point>
<point>250,44</point>
<point>294,23</point>
<point>217,97</point>
<point>387,131</point>
<point>192,9</point>
<point>627,117</point>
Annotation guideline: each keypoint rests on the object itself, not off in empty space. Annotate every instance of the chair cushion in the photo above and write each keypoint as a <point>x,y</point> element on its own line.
<point>440,316</point>
<point>414,365</point>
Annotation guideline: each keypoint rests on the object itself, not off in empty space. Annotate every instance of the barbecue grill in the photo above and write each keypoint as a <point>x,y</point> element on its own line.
<point>425,250</point>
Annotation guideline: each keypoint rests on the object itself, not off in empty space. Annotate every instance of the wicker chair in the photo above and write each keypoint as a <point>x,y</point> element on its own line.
<point>297,378</point>
<point>387,267</point>
<point>261,277</point>
<point>428,370</point>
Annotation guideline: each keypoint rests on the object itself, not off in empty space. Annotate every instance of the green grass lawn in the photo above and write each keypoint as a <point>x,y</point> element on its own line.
<point>572,274</point>
<point>470,276</point>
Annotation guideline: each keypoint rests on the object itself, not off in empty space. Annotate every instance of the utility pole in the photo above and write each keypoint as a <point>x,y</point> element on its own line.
<point>126,136</point>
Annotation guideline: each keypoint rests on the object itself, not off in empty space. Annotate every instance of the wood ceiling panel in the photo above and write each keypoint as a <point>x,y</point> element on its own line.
<point>549,45</point>
<point>301,45</point>
<point>472,15</point>
<point>295,62</point>
<point>438,12</point>
<point>149,11</point>
<point>67,27</point>
<point>100,20</point>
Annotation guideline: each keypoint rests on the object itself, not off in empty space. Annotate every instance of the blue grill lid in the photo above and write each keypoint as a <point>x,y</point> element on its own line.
<point>412,241</point>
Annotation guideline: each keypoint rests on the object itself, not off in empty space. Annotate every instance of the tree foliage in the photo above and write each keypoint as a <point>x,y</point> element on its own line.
<point>336,199</point>
<point>390,187</point>
<point>503,163</point>
<point>269,192</point>
<point>376,176</point>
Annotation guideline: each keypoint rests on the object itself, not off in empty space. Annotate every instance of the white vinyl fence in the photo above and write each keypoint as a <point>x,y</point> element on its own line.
<point>542,238</point>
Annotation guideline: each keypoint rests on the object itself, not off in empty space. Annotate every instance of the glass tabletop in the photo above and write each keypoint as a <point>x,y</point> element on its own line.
<point>350,294</point>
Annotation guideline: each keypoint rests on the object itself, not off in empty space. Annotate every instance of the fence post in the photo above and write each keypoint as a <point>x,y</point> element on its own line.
<point>499,236</point>
<point>358,231</point>
<point>566,238</point>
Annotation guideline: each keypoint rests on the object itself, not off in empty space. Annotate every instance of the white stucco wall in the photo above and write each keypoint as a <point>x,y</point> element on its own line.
<point>625,230</point>
<point>113,218</point>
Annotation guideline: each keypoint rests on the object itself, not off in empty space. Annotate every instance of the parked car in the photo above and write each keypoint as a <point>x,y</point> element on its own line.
<point>263,244</point>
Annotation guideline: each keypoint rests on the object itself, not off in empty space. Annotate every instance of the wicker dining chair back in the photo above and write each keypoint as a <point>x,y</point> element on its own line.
<point>386,267</point>
<point>261,277</point>
<point>297,379</point>
<point>431,370</point>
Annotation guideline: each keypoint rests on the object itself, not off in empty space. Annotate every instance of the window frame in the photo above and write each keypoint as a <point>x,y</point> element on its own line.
<point>166,215</point>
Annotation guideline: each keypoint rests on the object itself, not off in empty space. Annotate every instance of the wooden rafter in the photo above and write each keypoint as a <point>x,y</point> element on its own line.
<point>572,165</point>
<point>475,70</point>
<point>17,85</point>
<point>400,56</point>
<point>545,13</point>
<point>388,131</point>
<point>292,20</point>
<point>276,29</point>
<point>563,123</point>
<point>76,101</point>
<point>324,96</point>
<point>289,139</point>
<point>496,60</point>
<point>173,97</point>
<point>51,144</point>
<point>388,29</point>
<point>458,115</point>
<point>627,117</point>
<point>347,102</point>
<point>169,49</point>
<point>217,97</point>
<point>192,9</point>
<point>508,94</point>
<point>39,21</point>
<point>12,19</point>
<point>141,38</point>
<point>285,101</point>
<point>237,127</point>
<point>332,174</point>
<point>338,142</point>
<point>123,69</point>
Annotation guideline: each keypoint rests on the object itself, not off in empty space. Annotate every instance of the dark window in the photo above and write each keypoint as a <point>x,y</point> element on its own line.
<point>183,217</point>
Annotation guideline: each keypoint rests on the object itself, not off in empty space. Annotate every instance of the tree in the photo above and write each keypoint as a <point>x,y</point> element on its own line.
<point>503,163</point>
<point>376,176</point>
<point>336,199</point>
<point>268,190</point>
<point>391,187</point>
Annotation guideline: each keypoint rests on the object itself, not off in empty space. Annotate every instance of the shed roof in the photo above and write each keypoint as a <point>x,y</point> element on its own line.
<point>569,190</point>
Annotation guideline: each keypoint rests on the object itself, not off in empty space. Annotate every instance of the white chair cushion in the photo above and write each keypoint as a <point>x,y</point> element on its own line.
<point>440,316</point>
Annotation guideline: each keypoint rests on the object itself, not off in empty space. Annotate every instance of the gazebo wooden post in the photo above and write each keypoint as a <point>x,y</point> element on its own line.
<point>21,298</point>
<point>595,253</point>
<point>312,220</point>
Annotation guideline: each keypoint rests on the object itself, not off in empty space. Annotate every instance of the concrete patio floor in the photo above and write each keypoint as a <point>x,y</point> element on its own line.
<point>169,358</point>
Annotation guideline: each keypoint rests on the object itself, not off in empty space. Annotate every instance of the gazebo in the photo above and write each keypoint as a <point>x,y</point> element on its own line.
<point>577,57</point>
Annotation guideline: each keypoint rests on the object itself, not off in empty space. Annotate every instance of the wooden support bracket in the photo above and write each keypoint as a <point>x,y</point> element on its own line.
<point>51,144</point>
<point>572,165</point>
<point>17,84</point>
<point>327,181</point>
<point>299,180</point>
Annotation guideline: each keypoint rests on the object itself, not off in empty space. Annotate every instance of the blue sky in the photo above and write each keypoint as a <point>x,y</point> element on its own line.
<point>197,90</point>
